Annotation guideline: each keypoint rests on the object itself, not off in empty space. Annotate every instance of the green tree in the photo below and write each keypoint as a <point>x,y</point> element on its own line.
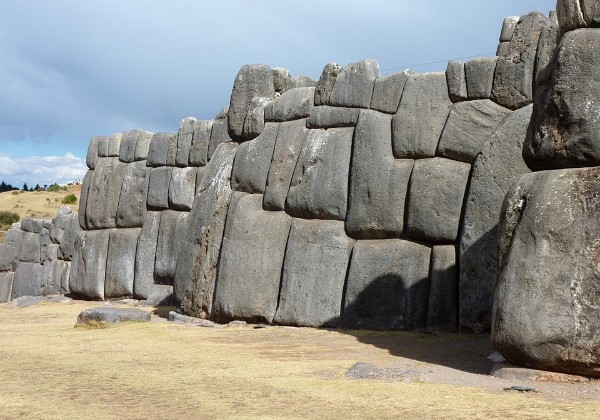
<point>25,187</point>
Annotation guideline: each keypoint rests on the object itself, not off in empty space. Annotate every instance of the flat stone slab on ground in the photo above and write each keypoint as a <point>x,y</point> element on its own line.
<point>106,316</point>
<point>509,371</point>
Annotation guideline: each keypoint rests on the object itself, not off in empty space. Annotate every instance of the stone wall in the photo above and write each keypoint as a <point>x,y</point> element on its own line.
<point>357,200</point>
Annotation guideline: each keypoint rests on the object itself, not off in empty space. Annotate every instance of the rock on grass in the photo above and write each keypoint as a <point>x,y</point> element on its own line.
<point>104,317</point>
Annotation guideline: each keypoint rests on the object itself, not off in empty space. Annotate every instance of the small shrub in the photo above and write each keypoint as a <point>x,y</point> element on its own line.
<point>56,188</point>
<point>16,192</point>
<point>7,218</point>
<point>69,199</point>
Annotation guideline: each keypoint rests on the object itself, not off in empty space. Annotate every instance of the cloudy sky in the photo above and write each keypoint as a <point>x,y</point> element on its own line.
<point>72,69</point>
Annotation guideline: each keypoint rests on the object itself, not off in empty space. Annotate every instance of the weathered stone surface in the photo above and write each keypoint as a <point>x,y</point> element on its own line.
<point>29,248</point>
<point>114,144</point>
<point>103,146</point>
<point>508,28</point>
<point>120,263</point>
<point>251,260</point>
<point>199,177</point>
<point>518,373</point>
<point>252,80</point>
<point>7,256</point>
<point>92,153</point>
<point>290,139</point>
<point>282,80</point>
<point>496,168</point>
<point>28,280</point>
<point>388,91</point>
<point>442,311</point>
<point>319,187</point>
<point>303,82</point>
<point>437,189</point>
<point>88,268</point>
<point>545,308</point>
<point>32,224</point>
<point>55,276</point>
<point>353,87</point>
<point>6,282</point>
<point>158,187</point>
<point>196,271</point>
<point>456,80</point>
<point>44,242</point>
<point>184,141</point>
<point>182,188</point>
<point>60,222</point>
<point>200,142</point>
<point>85,186</point>
<point>134,194</point>
<point>255,119</point>
<point>591,13</point>
<point>314,271</point>
<point>513,79</point>
<point>67,245</point>
<point>173,225</point>
<point>103,193</point>
<point>159,149</point>
<point>134,145</point>
<point>142,145</point>
<point>218,135</point>
<point>421,116</point>
<point>570,15</point>
<point>503,48</point>
<point>549,40</point>
<point>252,161</point>
<point>294,104</point>
<point>479,74</point>
<point>388,285</point>
<point>332,116</point>
<point>172,151</point>
<point>145,255</point>
<point>378,182</point>
<point>326,82</point>
<point>52,252</point>
<point>105,316</point>
<point>565,128</point>
<point>469,127</point>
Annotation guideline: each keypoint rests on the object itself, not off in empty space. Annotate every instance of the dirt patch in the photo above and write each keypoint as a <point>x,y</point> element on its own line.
<point>49,369</point>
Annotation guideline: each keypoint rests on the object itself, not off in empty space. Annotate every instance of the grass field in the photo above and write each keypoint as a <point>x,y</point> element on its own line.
<point>49,369</point>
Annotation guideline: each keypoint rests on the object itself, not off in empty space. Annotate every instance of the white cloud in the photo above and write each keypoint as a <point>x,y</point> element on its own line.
<point>41,170</point>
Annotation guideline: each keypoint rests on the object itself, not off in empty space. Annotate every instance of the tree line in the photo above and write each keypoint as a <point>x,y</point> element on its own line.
<point>53,187</point>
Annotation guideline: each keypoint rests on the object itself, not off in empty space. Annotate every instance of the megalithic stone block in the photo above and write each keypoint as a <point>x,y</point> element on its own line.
<point>7,256</point>
<point>114,144</point>
<point>479,74</point>
<point>255,118</point>
<point>388,285</point>
<point>513,79</point>
<point>120,263</point>
<point>252,161</point>
<point>145,256</point>
<point>332,116</point>
<point>92,153</point>
<point>172,151</point>
<point>388,91</point>
<point>290,139</point>
<point>547,296</point>
<point>319,187</point>
<point>570,15</point>
<point>591,13</point>
<point>184,141</point>
<point>251,81</point>
<point>469,127</point>
<point>294,104</point>
<point>134,194</point>
<point>421,116</point>
<point>282,80</point>
<point>6,282</point>
<point>53,277</point>
<point>437,189</point>
<point>378,182</point>
<point>159,149</point>
<point>30,247</point>
<point>173,225</point>
<point>103,193</point>
<point>135,145</point>
<point>549,40</point>
<point>158,188</point>
<point>83,198</point>
<point>200,142</point>
<point>182,188</point>
<point>508,28</point>
<point>67,245</point>
<point>218,135</point>
<point>314,273</point>
<point>44,242</point>
<point>353,87</point>
<point>456,80</point>
<point>103,146</point>
<point>88,268</point>
<point>496,168</point>
<point>442,310</point>
<point>326,82</point>
<point>31,224</point>
<point>28,280</point>
<point>60,222</point>
<point>251,259</point>
<point>304,82</point>
<point>196,270</point>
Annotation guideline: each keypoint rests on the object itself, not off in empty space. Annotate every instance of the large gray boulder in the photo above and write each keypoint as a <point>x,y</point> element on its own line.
<point>388,91</point>
<point>456,80</point>
<point>314,272</point>
<point>105,316</point>
<point>7,256</point>
<point>28,280</point>
<point>85,186</point>
<point>200,142</point>
<point>353,87</point>
<point>134,194</point>
<point>479,74</point>
<point>134,145</point>
<point>67,245</point>
<point>469,127</point>
<point>145,254</point>
<point>548,292</point>
<point>182,188</point>
<point>32,224</point>
<point>570,15</point>
<point>255,119</point>
<point>513,79</point>
<point>282,80</point>
<point>55,277</point>
<point>88,268</point>
<point>378,181</point>
<point>218,135</point>
<point>437,189</point>
<point>565,130</point>
<point>252,80</point>
<point>103,193</point>
<point>290,139</point>
<point>326,82</point>
<point>252,161</point>
<point>196,270</point>
<point>497,167</point>
<point>173,225</point>
<point>591,12</point>
<point>159,149</point>
<point>103,146</point>
<point>294,104</point>
<point>30,247</point>
<point>388,285</point>
<point>120,263</point>
<point>442,310</point>
<point>114,144</point>
<point>421,116</point>
<point>92,153</point>
<point>332,116</point>
<point>184,141</point>
<point>158,188</point>
<point>6,282</point>
<point>251,259</point>
<point>508,28</point>
<point>319,187</point>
